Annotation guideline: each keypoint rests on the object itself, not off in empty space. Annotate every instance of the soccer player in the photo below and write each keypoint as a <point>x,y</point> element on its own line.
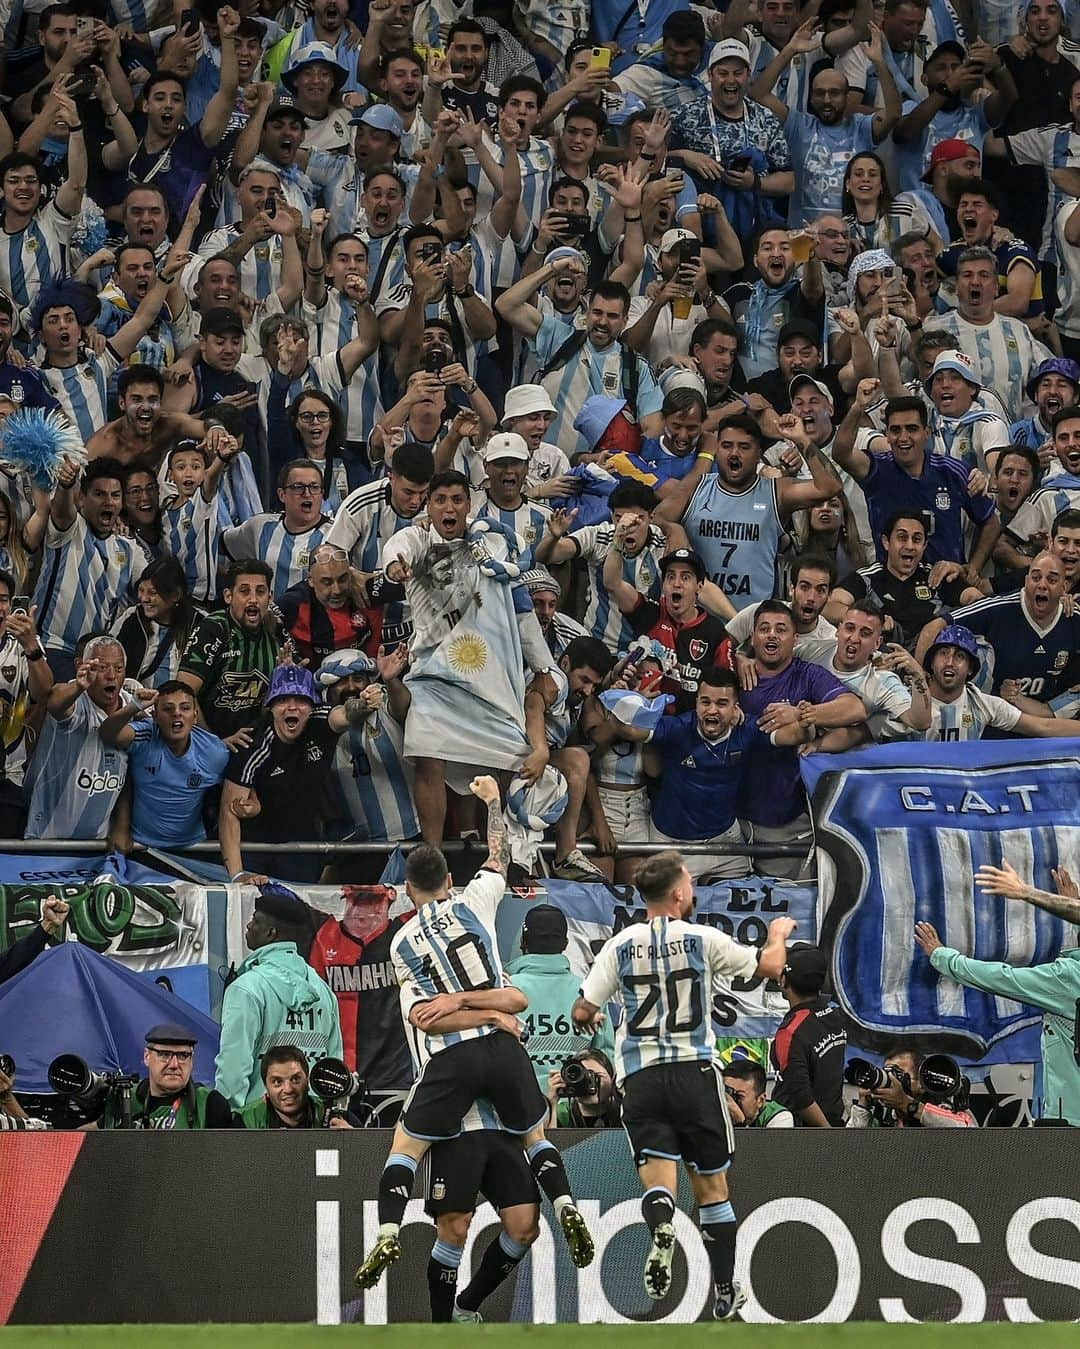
<point>447,960</point>
<point>664,972</point>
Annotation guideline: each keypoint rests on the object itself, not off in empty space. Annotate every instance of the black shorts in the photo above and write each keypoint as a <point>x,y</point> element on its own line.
<point>675,1110</point>
<point>494,1068</point>
<point>480,1162</point>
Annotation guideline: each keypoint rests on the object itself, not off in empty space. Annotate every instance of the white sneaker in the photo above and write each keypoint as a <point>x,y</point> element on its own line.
<point>658,1262</point>
<point>460,1314</point>
<point>726,1308</point>
<point>575,866</point>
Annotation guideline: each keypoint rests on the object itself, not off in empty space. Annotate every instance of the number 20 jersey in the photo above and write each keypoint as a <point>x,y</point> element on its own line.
<point>664,973</point>
<point>449,947</point>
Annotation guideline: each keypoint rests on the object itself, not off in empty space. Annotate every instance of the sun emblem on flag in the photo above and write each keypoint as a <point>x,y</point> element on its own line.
<point>468,653</point>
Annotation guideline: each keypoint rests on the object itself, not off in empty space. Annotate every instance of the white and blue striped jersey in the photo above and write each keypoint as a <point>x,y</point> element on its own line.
<point>622,764</point>
<point>1048,148</point>
<point>260,267</point>
<point>538,172</point>
<point>84,583</point>
<point>1004,353</point>
<point>341,185</point>
<point>965,719</point>
<point>365,522</point>
<point>664,972</point>
<point>74,779</point>
<point>374,781</point>
<point>82,390</point>
<point>1037,514</point>
<point>1067,317</point>
<point>360,400</point>
<point>396,298</point>
<point>287,555</point>
<point>884,695</point>
<point>602,617</point>
<point>36,256</point>
<point>450,947</point>
<point>192,533</point>
<point>528,521</point>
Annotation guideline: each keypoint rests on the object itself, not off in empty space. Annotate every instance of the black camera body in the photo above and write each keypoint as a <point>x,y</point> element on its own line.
<point>576,227</point>
<point>578,1080</point>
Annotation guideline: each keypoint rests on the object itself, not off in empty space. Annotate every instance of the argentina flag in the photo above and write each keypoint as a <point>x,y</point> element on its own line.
<point>468,685</point>
<point>901,831</point>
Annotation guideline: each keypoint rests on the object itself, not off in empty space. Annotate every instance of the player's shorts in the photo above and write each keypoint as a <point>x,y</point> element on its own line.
<point>480,1162</point>
<point>674,1110</point>
<point>494,1068</point>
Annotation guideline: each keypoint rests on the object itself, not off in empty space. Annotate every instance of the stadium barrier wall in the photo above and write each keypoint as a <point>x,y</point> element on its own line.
<point>897,1226</point>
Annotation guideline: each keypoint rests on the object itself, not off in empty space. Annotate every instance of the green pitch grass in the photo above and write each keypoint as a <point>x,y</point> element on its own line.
<point>854,1336</point>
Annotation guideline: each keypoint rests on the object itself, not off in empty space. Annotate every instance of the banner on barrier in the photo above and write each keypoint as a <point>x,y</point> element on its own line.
<point>901,831</point>
<point>924,1237</point>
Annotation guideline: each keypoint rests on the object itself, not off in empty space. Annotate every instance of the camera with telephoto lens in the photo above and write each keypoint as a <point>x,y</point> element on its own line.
<point>336,1083</point>
<point>578,1080</point>
<point>939,1077</point>
<point>71,1076</point>
<point>7,1065</point>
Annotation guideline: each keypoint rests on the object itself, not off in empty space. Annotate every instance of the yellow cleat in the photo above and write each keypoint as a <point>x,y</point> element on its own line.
<point>385,1252</point>
<point>577,1236</point>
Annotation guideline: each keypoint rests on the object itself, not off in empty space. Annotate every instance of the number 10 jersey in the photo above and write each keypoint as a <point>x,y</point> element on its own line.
<point>664,973</point>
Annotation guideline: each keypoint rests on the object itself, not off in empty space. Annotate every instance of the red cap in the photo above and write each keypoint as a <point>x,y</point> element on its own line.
<point>944,152</point>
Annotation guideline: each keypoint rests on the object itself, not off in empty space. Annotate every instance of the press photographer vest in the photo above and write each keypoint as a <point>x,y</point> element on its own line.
<point>257,1115</point>
<point>174,1113</point>
<point>767,1112</point>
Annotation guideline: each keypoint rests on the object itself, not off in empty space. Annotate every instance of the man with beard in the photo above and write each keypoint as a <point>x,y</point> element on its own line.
<point>460,84</point>
<point>902,583</point>
<point>951,163</point>
<point>1001,348</point>
<point>559,629</point>
<point>959,710</point>
<point>762,307</point>
<point>790,694</point>
<point>1027,636</point>
<point>231,655</point>
<point>586,362</point>
<point>899,469</point>
<point>275,133</point>
<point>1053,386</point>
<point>401,83</point>
<point>1019,275</point>
<point>822,140</point>
<point>75,779</point>
<point>734,517</point>
<point>142,433</point>
<point>706,758</point>
<point>954,108</point>
<point>1060,491</point>
<point>891,686</point>
<point>676,74</point>
<point>171,153</point>
<point>811,579</point>
<point>678,620</point>
<point>274,787</point>
<point>88,570</point>
<point>336,606</point>
<point>261,242</point>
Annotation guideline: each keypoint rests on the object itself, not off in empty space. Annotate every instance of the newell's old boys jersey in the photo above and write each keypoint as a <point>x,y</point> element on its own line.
<point>664,973</point>
<point>737,536</point>
<point>449,947</point>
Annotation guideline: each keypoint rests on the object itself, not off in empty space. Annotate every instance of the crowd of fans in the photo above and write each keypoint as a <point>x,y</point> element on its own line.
<point>736,349</point>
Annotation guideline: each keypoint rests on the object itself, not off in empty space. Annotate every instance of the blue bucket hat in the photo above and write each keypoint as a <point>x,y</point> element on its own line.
<point>292,681</point>
<point>1056,365</point>
<point>959,636</point>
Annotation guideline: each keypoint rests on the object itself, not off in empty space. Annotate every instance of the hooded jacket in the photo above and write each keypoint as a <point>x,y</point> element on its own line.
<point>547,982</point>
<point>275,999</point>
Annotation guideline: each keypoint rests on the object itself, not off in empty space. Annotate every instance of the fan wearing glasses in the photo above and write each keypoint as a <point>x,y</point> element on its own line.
<point>167,1098</point>
<point>288,539</point>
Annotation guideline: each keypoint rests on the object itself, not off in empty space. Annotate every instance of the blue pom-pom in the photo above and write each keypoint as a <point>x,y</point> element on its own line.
<point>36,443</point>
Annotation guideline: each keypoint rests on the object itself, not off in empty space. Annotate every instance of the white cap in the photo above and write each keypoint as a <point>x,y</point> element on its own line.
<point>678,377</point>
<point>960,363</point>
<point>525,399</point>
<point>505,445</point>
<point>798,380</point>
<point>675,236</point>
<point>731,49</point>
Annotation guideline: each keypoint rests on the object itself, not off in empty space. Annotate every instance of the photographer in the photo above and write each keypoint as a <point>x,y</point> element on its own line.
<point>12,1115</point>
<point>589,1099</point>
<point>167,1098</point>
<point>744,1087</point>
<point>903,1103</point>
<point>289,1102</point>
<point>543,974</point>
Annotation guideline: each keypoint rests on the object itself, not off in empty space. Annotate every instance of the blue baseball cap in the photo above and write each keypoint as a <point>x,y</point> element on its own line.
<point>382,118</point>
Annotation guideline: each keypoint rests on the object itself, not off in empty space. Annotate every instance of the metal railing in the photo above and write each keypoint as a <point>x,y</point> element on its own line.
<point>61,846</point>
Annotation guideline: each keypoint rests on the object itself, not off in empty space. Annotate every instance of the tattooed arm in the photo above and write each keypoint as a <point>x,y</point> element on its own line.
<point>498,858</point>
<point>1005,880</point>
